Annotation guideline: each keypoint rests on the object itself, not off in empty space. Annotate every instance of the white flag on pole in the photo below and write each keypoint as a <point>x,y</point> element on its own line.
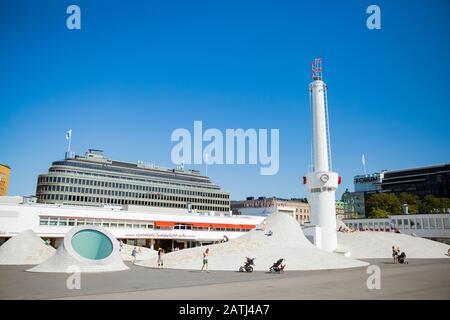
<point>69,134</point>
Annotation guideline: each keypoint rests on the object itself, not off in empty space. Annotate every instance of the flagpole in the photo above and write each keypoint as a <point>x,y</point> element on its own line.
<point>70,141</point>
<point>68,137</point>
<point>364,164</point>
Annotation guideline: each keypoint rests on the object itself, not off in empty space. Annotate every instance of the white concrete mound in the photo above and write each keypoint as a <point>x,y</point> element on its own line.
<point>26,248</point>
<point>142,253</point>
<point>378,245</point>
<point>341,225</point>
<point>287,241</point>
<point>68,259</point>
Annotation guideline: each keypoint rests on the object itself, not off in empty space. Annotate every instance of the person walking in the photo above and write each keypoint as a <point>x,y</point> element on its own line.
<point>160,259</point>
<point>394,254</point>
<point>205,260</point>
<point>133,254</point>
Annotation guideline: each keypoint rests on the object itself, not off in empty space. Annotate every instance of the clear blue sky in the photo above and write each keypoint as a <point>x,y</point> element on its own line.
<point>140,69</point>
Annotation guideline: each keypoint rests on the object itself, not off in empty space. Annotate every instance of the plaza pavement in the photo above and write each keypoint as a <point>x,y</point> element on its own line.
<point>421,279</point>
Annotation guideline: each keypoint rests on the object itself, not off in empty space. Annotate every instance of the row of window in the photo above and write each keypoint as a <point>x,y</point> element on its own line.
<point>132,171</point>
<point>127,224</point>
<point>126,194</point>
<point>421,223</point>
<point>126,186</point>
<point>69,199</point>
<point>72,222</point>
<point>165,180</point>
<point>412,223</point>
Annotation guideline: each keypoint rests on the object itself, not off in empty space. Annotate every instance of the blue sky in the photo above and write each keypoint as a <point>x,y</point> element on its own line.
<point>137,70</point>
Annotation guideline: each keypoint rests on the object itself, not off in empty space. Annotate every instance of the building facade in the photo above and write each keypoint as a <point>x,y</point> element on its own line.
<point>93,180</point>
<point>340,209</point>
<point>4,179</point>
<point>354,204</point>
<point>431,180</point>
<point>368,182</point>
<point>262,206</point>
<point>152,227</point>
<point>431,226</point>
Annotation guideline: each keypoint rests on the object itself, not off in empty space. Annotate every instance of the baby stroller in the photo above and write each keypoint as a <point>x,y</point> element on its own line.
<point>402,258</point>
<point>248,265</point>
<point>278,266</point>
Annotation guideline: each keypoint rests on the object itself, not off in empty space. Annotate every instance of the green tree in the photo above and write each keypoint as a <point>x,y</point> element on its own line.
<point>445,205</point>
<point>412,201</point>
<point>429,204</point>
<point>386,202</point>
<point>379,213</point>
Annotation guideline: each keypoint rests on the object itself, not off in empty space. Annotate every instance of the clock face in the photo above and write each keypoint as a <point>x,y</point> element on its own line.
<point>324,178</point>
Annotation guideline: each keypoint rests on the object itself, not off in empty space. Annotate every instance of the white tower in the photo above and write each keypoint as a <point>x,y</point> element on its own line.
<point>321,181</point>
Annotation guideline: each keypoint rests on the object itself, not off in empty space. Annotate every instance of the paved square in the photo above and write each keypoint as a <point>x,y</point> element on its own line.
<point>421,279</point>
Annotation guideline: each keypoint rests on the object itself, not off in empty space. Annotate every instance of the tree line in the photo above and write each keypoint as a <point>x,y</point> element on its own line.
<point>382,205</point>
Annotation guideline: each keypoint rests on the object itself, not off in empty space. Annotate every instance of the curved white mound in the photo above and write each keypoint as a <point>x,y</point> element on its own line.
<point>26,248</point>
<point>85,249</point>
<point>341,225</point>
<point>378,245</point>
<point>142,253</point>
<point>287,241</point>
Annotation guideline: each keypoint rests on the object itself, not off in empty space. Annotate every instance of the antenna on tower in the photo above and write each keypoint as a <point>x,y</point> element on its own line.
<point>316,69</point>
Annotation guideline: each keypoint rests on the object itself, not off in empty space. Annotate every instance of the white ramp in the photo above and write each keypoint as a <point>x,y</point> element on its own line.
<point>287,241</point>
<point>142,253</point>
<point>85,249</point>
<point>378,245</point>
<point>25,248</point>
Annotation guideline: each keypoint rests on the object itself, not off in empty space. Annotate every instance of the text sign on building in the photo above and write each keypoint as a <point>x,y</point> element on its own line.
<point>370,182</point>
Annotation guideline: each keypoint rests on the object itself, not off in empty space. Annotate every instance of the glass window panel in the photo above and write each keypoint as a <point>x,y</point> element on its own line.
<point>406,223</point>
<point>446,223</point>
<point>432,223</point>
<point>418,223</point>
